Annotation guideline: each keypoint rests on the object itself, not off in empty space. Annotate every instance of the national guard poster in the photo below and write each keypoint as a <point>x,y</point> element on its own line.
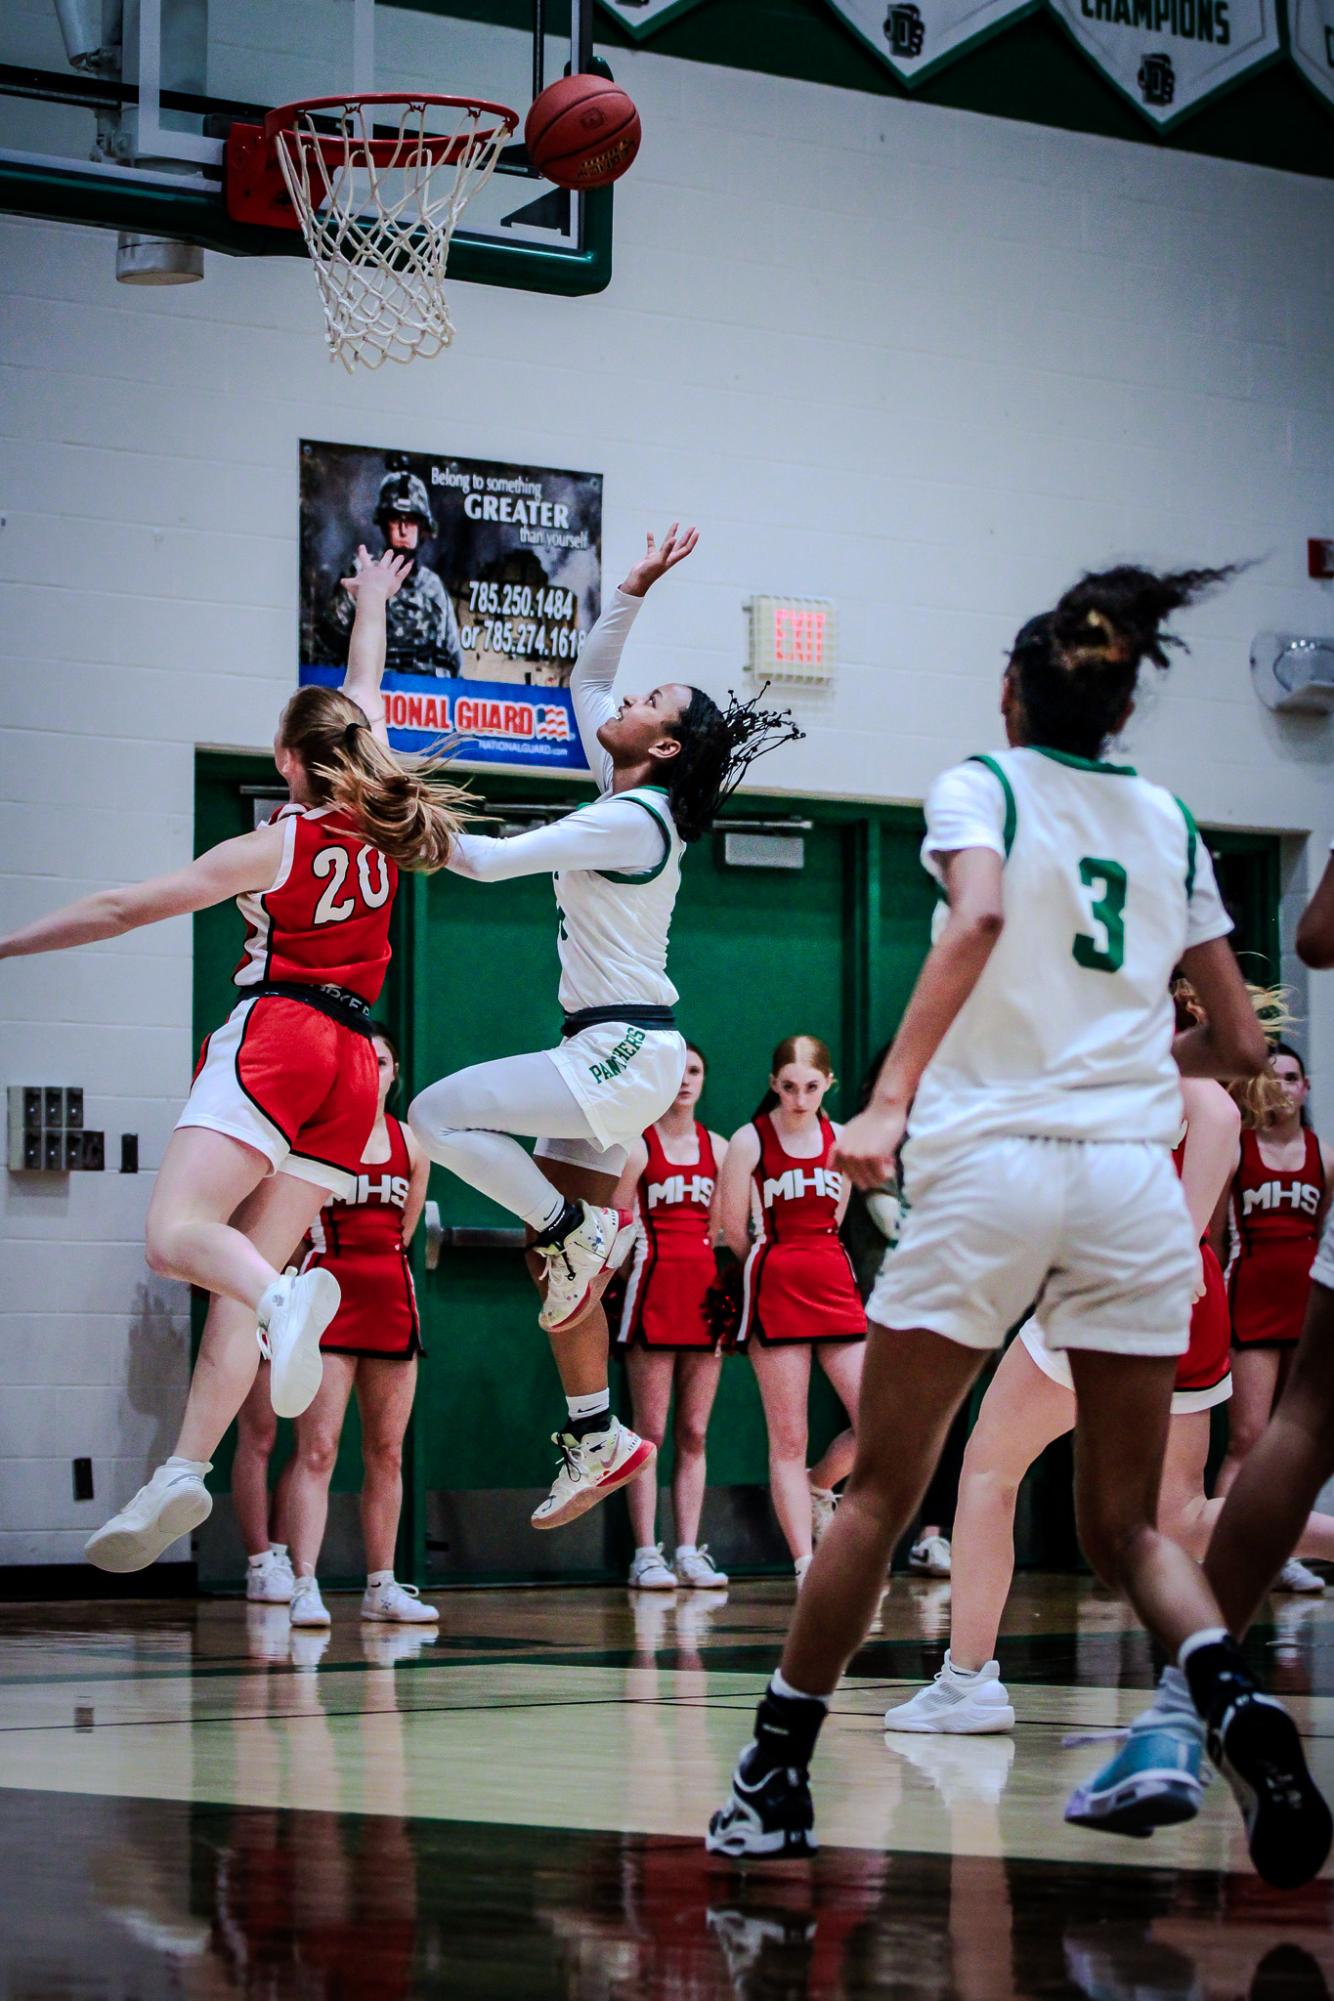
<point>505,586</point>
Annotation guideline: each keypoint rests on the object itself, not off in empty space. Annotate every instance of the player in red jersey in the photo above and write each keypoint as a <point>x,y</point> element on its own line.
<point>372,1343</point>
<point>800,1295</point>
<point>670,1180</point>
<point>1280,1196</point>
<point>284,1095</point>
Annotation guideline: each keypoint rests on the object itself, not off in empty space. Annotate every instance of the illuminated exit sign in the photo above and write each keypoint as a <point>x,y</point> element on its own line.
<point>792,639</point>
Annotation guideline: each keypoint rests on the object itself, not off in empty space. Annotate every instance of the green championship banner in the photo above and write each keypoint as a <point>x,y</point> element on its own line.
<point>642,17</point>
<point>1168,57</point>
<point>1311,32</point>
<point>915,37</point>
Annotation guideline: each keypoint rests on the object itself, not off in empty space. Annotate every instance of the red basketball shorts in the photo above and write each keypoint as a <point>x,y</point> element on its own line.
<point>294,1084</point>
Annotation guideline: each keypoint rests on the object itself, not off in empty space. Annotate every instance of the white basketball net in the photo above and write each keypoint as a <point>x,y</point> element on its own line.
<point>379,230</point>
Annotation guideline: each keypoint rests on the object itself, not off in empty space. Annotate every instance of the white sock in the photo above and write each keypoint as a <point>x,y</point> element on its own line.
<point>782,1687</point>
<point>590,1406</point>
<point>686,1549</point>
<point>960,1674</point>
<point>1208,1636</point>
<point>376,1578</point>
<point>278,1549</point>
<point>825,1493</point>
<point>646,1549</point>
<point>258,1562</point>
<point>199,1467</point>
<point>1173,1690</point>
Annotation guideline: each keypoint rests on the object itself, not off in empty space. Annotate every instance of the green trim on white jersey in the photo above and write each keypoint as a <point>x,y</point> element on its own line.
<point>640,876</point>
<point>1081,763</point>
<point>1192,844</point>
<point>1011,810</point>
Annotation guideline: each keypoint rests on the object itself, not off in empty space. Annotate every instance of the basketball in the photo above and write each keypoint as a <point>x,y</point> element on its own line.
<point>582,132</point>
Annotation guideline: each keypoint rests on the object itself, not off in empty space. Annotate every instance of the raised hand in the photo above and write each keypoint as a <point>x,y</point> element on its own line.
<point>376,576</point>
<point>658,558</point>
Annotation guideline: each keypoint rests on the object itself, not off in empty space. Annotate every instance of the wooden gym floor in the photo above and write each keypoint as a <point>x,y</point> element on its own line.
<point>196,1801</point>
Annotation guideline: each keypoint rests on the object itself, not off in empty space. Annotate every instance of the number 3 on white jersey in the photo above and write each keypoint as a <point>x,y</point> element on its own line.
<point>334,862</point>
<point>1103,950</point>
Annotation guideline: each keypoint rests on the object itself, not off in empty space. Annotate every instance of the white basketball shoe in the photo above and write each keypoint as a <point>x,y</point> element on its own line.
<point>579,1270</point>
<point>957,1705</point>
<point>172,1503</point>
<point>591,1468</point>
<point>293,1314</point>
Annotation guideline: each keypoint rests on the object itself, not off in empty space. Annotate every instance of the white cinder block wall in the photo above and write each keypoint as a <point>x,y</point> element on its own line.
<point>924,363</point>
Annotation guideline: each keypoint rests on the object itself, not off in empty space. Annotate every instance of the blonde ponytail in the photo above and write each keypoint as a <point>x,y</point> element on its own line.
<point>1260,1098</point>
<point>401,805</point>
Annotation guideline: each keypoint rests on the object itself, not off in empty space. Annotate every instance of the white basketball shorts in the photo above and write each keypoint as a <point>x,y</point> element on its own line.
<point>1095,1232</point>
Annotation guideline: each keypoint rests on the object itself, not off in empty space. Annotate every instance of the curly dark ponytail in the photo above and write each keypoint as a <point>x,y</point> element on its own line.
<point>718,747</point>
<point>1075,668</point>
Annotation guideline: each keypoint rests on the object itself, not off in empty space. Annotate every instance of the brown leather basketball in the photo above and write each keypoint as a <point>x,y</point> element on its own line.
<point>582,132</point>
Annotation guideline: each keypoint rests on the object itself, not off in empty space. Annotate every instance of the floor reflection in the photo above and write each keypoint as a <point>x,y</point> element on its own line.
<point>318,1827</point>
<point>129,1897</point>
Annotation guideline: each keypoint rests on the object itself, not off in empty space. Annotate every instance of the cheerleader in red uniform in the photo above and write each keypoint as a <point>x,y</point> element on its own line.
<point>800,1296</point>
<point>1280,1195</point>
<point>372,1343</point>
<point>670,1181</point>
<point>284,1094</point>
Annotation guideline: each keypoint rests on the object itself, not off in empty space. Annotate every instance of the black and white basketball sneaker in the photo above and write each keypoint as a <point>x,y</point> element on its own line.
<point>771,1820</point>
<point>1255,1745</point>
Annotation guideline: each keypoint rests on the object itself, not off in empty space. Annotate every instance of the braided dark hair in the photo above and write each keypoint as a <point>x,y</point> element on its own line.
<point>718,747</point>
<point>1076,667</point>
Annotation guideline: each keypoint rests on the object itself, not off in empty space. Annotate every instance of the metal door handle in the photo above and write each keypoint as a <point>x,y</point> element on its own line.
<point>435,1234</point>
<point>465,1237</point>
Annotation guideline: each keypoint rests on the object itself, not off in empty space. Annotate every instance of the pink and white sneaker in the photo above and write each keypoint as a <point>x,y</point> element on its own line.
<point>592,1468</point>
<point>578,1270</point>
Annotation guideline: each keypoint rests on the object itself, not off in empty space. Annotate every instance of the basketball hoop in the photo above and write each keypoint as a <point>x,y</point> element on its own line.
<point>377,197</point>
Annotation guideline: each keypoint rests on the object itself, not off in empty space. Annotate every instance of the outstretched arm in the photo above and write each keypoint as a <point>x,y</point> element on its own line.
<point>616,835</point>
<point>595,670</point>
<point>371,585</point>
<point>233,868</point>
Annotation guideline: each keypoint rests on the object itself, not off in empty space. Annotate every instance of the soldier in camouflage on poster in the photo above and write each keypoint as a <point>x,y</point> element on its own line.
<point>423,630</point>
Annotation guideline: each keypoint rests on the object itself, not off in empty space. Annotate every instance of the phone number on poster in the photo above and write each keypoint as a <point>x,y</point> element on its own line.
<point>524,640</point>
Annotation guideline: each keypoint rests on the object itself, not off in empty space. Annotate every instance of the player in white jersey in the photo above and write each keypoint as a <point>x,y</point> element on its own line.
<point>1037,1055</point>
<point>665,761</point>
